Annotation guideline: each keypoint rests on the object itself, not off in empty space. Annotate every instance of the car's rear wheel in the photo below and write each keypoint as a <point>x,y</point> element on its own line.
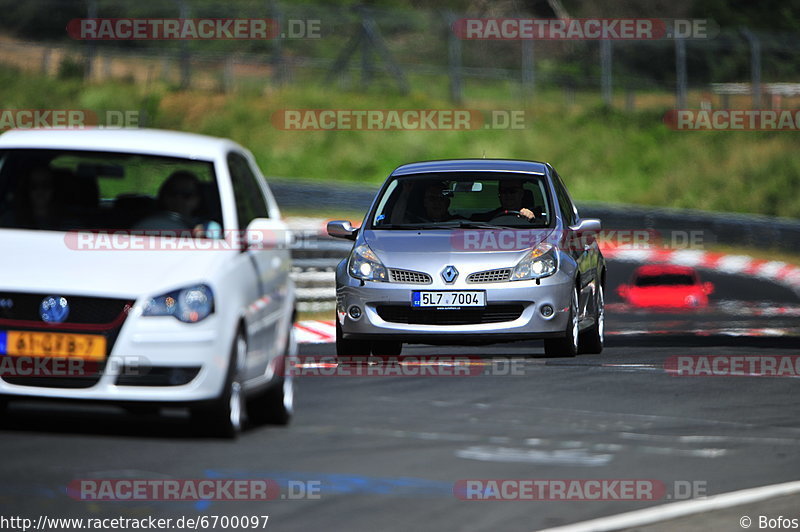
<point>356,351</point>
<point>224,417</point>
<point>568,345</point>
<point>591,341</point>
<point>275,405</point>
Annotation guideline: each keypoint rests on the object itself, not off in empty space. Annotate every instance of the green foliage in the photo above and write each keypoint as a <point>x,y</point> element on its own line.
<point>603,153</point>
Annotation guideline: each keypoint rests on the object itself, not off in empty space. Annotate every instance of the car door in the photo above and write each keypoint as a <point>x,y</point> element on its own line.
<point>266,312</point>
<point>583,249</point>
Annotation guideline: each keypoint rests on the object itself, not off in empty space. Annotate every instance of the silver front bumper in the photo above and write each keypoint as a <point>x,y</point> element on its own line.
<point>530,297</point>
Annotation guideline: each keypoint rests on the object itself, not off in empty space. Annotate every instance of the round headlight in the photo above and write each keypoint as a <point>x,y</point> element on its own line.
<point>195,303</point>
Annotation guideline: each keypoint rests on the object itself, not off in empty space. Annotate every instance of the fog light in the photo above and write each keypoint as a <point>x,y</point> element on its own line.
<point>546,310</point>
<point>355,312</point>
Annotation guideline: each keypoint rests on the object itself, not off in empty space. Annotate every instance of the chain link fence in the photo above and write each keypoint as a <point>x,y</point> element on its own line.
<point>397,50</point>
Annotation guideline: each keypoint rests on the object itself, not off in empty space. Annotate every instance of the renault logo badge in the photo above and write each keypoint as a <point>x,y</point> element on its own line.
<point>449,274</point>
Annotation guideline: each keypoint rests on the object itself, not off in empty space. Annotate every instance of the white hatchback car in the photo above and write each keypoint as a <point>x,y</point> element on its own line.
<point>143,267</point>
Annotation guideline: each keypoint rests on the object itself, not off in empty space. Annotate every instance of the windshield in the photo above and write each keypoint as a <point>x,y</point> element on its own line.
<point>463,199</point>
<point>58,190</point>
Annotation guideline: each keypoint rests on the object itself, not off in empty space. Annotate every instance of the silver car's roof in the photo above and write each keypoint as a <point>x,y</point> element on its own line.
<point>472,165</point>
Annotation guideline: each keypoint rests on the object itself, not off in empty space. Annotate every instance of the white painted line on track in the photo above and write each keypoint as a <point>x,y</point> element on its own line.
<point>675,510</point>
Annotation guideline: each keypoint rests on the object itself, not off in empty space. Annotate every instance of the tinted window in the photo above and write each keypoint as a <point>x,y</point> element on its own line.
<point>64,190</point>
<point>451,198</point>
<point>250,203</point>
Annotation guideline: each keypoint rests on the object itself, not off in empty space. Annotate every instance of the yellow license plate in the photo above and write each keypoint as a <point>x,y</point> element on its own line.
<point>53,344</point>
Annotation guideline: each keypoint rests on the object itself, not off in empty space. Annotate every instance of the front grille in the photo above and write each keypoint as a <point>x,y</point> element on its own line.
<point>409,277</point>
<point>490,276</point>
<point>84,310</point>
<point>87,315</point>
<point>464,316</point>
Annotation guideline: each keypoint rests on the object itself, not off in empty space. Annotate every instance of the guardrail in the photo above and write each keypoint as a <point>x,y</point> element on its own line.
<point>315,262</point>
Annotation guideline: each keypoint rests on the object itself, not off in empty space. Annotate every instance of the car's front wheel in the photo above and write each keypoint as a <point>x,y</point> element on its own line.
<point>568,345</point>
<point>591,342</point>
<point>224,417</point>
<point>351,350</point>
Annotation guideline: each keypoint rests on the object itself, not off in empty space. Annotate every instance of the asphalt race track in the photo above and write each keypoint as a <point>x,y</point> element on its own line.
<point>385,452</point>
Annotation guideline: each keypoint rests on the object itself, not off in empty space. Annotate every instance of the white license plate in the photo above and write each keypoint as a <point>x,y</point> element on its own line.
<point>449,298</point>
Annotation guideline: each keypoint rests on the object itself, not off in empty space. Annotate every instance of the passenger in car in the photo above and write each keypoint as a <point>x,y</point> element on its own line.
<point>433,199</point>
<point>36,204</point>
<point>179,203</point>
<point>437,203</point>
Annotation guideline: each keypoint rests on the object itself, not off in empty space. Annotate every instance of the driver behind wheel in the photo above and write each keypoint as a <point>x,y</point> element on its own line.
<point>512,196</point>
<point>179,199</point>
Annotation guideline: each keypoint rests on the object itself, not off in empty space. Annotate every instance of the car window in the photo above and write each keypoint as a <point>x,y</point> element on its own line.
<point>565,205</point>
<point>671,279</point>
<point>66,190</point>
<point>452,198</point>
<point>250,203</point>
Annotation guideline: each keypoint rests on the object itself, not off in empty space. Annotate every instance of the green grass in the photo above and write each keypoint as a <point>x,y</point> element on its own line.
<point>602,154</point>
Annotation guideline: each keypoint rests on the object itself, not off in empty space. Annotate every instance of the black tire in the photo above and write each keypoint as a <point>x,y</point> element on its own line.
<point>387,348</point>
<point>351,351</point>
<point>591,341</point>
<point>568,345</point>
<point>275,405</point>
<point>225,416</point>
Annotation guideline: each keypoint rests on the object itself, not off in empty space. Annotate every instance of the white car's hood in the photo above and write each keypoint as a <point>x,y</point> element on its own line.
<point>44,261</point>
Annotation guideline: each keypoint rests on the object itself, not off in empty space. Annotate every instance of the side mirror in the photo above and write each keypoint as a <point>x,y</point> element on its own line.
<point>587,224</point>
<point>266,233</point>
<point>708,288</point>
<point>342,229</point>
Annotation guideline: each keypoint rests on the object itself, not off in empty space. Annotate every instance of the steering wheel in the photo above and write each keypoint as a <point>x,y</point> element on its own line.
<point>512,216</point>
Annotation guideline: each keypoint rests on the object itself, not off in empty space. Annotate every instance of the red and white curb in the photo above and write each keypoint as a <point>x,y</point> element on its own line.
<point>315,331</point>
<point>776,271</point>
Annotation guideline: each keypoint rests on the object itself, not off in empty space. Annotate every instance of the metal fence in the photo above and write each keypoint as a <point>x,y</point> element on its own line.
<point>394,49</point>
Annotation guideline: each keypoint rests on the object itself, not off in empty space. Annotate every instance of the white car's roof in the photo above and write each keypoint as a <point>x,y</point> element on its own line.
<point>147,141</point>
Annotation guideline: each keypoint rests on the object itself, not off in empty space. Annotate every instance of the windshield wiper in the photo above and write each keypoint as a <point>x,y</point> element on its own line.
<point>407,226</point>
<point>466,224</point>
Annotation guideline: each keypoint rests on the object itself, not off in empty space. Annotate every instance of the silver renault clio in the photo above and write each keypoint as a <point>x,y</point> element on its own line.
<point>470,251</point>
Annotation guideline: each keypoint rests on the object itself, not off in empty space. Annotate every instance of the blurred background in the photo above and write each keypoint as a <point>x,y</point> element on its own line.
<point>594,109</point>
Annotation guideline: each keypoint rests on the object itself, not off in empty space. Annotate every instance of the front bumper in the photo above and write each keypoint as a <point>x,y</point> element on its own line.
<point>144,349</point>
<point>513,311</point>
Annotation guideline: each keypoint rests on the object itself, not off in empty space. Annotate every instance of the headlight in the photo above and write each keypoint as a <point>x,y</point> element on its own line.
<point>539,262</point>
<point>365,265</point>
<point>189,305</point>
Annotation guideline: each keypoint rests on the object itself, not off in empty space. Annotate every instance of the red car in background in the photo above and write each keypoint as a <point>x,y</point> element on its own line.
<point>664,285</point>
